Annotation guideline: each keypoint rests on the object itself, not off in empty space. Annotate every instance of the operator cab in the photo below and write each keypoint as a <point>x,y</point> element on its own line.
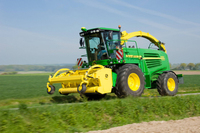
<point>101,43</point>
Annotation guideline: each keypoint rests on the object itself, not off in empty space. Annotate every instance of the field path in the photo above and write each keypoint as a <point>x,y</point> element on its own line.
<point>188,72</point>
<point>187,125</point>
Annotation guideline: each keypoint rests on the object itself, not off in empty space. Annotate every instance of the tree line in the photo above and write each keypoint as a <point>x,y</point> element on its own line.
<point>53,68</point>
<point>189,66</point>
<point>47,68</point>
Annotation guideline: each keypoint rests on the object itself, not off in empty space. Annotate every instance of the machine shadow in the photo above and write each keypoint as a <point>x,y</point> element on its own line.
<point>66,99</point>
<point>77,99</point>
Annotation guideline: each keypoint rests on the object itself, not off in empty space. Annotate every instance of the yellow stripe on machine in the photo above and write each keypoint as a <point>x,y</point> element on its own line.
<point>154,58</point>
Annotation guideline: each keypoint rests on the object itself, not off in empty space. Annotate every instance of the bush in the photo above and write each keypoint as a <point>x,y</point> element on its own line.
<point>9,73</point>
<point>98,115</point>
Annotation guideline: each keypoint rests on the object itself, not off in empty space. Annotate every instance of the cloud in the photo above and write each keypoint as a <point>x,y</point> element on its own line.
<point>110,9</point>
<point>172,30</point>
<point>14,35</point>
<point>189,32</point>
<point>155,13</point>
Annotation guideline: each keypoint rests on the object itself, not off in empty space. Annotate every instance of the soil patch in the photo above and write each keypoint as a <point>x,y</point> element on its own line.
<point>188,72</point>
<point>187,125</point>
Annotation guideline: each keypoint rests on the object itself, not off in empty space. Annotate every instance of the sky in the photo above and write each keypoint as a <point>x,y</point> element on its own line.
<point>47,31</point>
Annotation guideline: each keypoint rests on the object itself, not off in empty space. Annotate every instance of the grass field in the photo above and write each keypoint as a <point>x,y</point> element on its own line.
<point>28,91</point>
<point>31,88</point>
<point>97,115</point>
<point>23,86</point>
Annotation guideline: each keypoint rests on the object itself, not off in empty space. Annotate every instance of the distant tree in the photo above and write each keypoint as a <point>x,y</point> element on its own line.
<point>170,65</point>
<point>49,68</point>
<point>75,67</point>
<point>9,73</point>
<point>197,66</point>
<point>183,66</point>
<point>191,66</point>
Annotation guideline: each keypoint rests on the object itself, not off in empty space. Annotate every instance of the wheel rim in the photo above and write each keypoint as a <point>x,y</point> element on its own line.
<point>171,84</point>
<point>133,81</point>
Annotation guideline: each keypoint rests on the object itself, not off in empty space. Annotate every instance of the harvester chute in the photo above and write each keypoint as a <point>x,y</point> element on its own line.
<point>126,36</point>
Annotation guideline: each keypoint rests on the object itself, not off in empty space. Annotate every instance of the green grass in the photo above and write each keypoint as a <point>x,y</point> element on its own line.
<point>97,115</point>
<point>31,89</point>
<point>28,91</point>
<point>191,81</point>
<point>23,86</point>
<point>191,84</point>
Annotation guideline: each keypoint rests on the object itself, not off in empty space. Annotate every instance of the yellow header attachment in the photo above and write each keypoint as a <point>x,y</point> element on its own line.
<point>96,79</point>
<point>126,36</point>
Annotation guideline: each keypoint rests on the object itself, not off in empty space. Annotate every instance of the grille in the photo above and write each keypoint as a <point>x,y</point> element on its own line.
<point>153,62</point>
<point>151,55</point>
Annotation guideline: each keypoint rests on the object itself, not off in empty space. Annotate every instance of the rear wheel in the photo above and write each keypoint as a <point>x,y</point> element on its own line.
<point>130,81</point>
<point>167,84</point>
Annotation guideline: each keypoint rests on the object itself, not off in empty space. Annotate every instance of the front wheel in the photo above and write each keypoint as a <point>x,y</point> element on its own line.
<point>130,81</point>
<point>52,90</point>
<point>81,89</point>
<point>167,84</point>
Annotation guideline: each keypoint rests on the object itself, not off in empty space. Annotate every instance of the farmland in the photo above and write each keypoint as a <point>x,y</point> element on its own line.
<point>28,91</point>
<point>33,86</point>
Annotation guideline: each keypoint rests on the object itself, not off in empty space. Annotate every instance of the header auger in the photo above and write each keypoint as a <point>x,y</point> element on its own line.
<point>113,66</point>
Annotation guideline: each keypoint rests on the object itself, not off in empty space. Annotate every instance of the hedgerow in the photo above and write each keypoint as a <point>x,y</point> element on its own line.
<point>97,115</point>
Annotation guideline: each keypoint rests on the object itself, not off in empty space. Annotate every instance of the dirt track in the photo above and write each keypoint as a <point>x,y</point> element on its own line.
<point>188,72</point>
<point>187,125</point>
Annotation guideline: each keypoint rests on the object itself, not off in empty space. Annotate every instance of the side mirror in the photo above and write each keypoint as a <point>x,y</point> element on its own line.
<point>110,35</point>
<point>81,42</point>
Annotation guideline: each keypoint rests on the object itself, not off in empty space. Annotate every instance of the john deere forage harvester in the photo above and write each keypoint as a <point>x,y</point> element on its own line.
<point>117,64</point>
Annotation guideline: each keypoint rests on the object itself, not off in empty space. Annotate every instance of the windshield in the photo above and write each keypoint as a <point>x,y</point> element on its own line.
<point>102,45</point>
<point>114,44</point>
<point>96,49</point>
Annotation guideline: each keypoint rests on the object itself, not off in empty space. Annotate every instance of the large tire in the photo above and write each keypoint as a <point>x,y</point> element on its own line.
<point>167,84</point>
<point>130,81</point>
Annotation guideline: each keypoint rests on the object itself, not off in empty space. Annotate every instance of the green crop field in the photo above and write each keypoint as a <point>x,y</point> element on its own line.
<point>32,88</point>
<point>23,86</point>
<point>191,81</point>
<point>28,91</point>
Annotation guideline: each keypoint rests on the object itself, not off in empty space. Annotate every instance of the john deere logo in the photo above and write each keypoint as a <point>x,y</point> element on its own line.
<point>106,75</point>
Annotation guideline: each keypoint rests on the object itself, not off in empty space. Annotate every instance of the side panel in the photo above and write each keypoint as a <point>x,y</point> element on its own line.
<point>131,56</point>
<point>114,78</point>
<point>155,61</point>
<point>151,62</point>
